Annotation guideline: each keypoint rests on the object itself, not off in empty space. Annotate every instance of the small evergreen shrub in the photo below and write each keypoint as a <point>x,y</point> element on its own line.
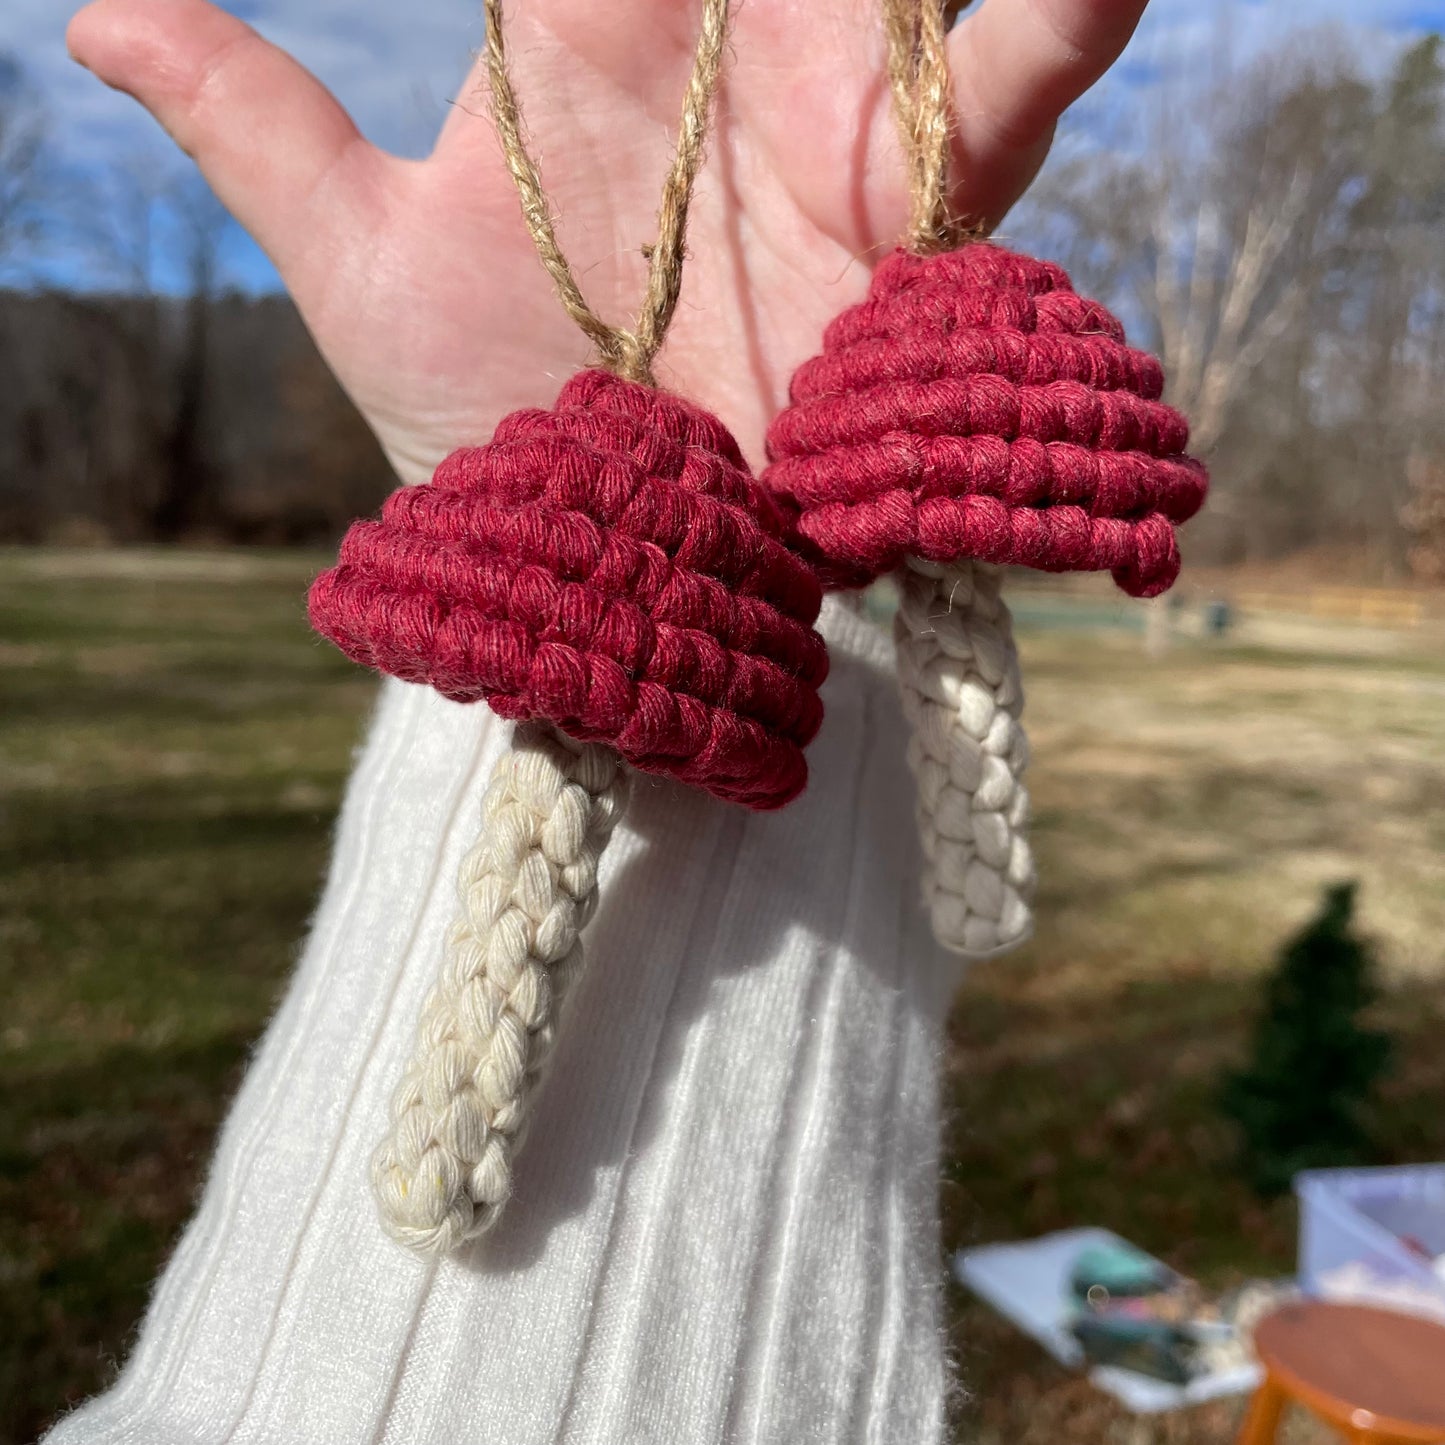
<point>1303,1100</point>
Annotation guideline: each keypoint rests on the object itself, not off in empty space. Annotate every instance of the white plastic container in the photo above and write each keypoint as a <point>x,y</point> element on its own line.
<point>1353,1224</point>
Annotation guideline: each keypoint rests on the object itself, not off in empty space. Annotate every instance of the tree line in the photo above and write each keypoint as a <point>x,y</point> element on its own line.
<point>154,403</point>
<point>1279,239</point>
<point>1275,230</point>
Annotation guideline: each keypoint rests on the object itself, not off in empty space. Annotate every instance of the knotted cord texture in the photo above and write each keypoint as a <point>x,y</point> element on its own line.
<point>526,889</point>
<point>609,566</point>
<point>975,407</point>
<point>959,673</point>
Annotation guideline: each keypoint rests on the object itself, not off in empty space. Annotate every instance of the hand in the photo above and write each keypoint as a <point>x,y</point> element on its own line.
<point>417,278</point>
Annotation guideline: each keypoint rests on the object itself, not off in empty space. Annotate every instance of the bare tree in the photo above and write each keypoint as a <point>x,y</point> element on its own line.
<point>155,243</point>
<point>188,499</point>
<point>22,133</point>
<point>1393,336</point>
<point>1424,520</point>
<point>155,404</point>
<point>1219,228</point>
<point>1275,239</point>
<point>22,142</point>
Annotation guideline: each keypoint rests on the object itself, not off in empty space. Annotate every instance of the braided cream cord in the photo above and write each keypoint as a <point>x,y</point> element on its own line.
<point>527,888</point>
<point>959,671</point>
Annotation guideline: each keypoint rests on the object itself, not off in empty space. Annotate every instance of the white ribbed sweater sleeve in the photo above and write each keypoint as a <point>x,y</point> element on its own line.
<point>725,1223</point>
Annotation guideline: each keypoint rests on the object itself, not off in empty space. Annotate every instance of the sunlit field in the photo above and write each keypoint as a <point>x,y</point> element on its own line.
<point>173,744</point>
<point>1189,810</point>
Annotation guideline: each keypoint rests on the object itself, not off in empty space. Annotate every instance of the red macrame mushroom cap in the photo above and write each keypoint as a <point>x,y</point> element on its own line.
<point>609,566</point>
<point>975,407</point>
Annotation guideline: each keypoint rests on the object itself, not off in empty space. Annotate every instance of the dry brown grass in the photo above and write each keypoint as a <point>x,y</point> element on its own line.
<point>1189,810</point>
<point>173,745</point>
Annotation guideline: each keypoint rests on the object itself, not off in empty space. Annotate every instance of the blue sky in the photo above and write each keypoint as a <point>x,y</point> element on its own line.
<point>395,66</point>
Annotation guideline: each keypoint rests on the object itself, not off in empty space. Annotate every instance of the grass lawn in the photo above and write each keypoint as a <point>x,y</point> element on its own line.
<point>173,744</point>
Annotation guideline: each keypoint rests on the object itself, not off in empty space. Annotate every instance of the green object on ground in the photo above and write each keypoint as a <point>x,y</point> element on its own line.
<point>1118,1271</point>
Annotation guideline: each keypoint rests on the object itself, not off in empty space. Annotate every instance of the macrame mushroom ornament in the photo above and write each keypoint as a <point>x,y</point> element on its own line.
<point>974,413</point>
<point>610,575</point>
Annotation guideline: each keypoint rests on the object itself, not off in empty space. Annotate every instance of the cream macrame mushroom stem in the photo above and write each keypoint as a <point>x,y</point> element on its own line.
<point>527,889</point>
<point>444,1172</point>
<point>959,672</point>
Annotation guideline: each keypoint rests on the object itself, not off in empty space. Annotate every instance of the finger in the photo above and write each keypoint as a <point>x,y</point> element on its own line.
<point>1017,66</point>
<point>272,141</point>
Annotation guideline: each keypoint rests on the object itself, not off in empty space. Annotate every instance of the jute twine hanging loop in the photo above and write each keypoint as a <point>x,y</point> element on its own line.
<point>920,80</point>
<point>974,412</point>
<point>607,573</point>
<point>628,354</point>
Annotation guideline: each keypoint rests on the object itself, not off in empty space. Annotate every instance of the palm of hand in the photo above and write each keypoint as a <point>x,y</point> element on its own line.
<point>418,278</point>
<point>441,318</point>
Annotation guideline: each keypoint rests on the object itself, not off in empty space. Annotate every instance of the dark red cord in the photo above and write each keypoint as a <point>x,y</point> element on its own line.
<point>609,566</point>
<point>974,406</point>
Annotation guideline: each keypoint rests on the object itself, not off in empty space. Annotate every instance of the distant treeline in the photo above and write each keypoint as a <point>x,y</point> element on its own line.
<point>1275,230</point>
<point>145,418</point>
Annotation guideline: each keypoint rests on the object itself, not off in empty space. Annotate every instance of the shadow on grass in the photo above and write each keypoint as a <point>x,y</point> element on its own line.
<point>169,822</point>
<point>188,691</point>
<point>100,1165</point>
<point>150,930</point>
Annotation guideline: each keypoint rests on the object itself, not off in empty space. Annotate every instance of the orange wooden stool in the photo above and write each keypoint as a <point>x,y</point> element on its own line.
<point>1377,1376</point>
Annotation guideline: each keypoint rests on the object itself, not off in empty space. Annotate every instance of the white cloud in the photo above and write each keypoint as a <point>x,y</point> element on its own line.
<point>393,66</point>
<point>1182,47</point>
<point>1184,33</point>
<point>396,66</point>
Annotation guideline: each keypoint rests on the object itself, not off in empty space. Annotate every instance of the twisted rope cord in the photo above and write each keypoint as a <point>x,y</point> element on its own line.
<point>444,1172</point>
<point>527,889</point>
<point>959,672</point>
<point>628,353</point>
<point>957,664</point>
<point>921,82</point>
